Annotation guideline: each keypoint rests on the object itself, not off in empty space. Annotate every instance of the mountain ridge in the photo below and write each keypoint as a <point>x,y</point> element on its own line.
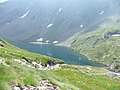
<point>56,21</point>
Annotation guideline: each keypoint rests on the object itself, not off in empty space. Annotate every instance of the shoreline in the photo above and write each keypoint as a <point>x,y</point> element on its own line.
<point>100,64</point>
<point>69,46</point>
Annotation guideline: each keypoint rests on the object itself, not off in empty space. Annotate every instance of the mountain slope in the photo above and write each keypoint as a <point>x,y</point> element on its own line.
<point>10,52</point>
<point>51,20</point>
<point>18,72</point>
<point>102,45</point>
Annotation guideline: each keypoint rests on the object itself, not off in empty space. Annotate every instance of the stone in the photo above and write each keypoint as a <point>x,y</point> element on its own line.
<point>43,85</point>
<point>1,61</point>
<point>50,62</point>
<point>1,44</point>
<point>16,88</point>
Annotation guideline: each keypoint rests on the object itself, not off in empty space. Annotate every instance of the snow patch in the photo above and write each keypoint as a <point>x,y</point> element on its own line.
<point>47,41</point>
<point>39,40</point>
<point>55,42</point>
<point>24,15</point>
<point>2,1</point>
<point>49,25</point>
<point>116,35</point>
<point>60,9</point>
<point>101,12</point>
<point>81,26</point>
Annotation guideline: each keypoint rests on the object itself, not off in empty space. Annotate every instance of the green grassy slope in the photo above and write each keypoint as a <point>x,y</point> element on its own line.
<point>67,77</point>
<point>97,46</point>
<point>11,52</point>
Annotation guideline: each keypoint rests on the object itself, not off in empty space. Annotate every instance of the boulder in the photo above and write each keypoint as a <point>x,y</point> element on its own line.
<point>26,59</point>
<point>113,33</point>
<point>43,85</point>
<point>1,61</point>
<point>16,88</point>
<point>50,63</point>
<point>1,44</point>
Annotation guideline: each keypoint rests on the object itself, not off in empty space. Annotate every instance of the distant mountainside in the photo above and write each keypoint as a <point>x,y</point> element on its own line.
<point>53,20</point>
<point>102,45</point>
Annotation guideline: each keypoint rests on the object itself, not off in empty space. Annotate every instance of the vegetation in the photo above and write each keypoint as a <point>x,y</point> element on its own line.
<point>67,77</point>
<point>11,52</point>
<point>100,45</point>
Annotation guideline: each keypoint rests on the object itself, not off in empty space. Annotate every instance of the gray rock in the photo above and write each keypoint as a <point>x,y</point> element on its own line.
<point>1,44</point>
<point>16,88</point>
<point>43,85</point>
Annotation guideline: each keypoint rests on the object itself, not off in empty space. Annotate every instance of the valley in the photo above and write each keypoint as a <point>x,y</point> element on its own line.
<point>20,69</point>
<point>60,52</point>
<point>59,45</point>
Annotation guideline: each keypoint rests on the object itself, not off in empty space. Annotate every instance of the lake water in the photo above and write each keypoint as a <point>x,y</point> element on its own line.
<point>59,52</point>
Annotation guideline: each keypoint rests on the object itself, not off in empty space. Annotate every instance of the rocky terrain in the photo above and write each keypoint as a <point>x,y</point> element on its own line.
<point>43,85</point>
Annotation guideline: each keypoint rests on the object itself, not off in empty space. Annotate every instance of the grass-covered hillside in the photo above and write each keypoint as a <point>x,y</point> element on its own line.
<point>17,71</point>
<point>101,45</point>
<point>11,52</point>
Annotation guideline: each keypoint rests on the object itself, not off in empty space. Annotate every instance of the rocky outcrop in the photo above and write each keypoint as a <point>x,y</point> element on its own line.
<point>114,67</point>
<point>43,85</point>
<point>26,59</point>
<point>3,63</point>
<point>32,65</point>
<point>1,44</point>
<point>110,34</point>
<point>50,63</point>
<point>113,75</point>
